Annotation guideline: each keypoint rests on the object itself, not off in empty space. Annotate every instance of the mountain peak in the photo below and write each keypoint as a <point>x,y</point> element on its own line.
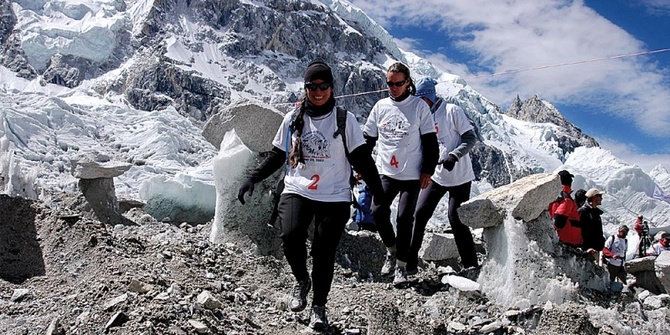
<point>540,111</point>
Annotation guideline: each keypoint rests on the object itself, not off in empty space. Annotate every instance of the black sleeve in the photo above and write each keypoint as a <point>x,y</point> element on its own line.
<point>362,162</point>
<point>370,142</point>
<point>272,162</point>
<point>430,153</point>
<point>468,140</point>
<point>560,220</point>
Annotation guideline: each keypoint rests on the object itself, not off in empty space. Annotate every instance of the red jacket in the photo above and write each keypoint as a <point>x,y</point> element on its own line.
<point>638,226</point>
<point>571,232</point>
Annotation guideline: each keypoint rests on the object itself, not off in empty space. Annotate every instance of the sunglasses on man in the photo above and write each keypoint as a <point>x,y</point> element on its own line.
<point>313,87</point>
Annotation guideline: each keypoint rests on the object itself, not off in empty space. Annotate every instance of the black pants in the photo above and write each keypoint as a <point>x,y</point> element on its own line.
<point>428,200</point>
<point>616,272</point>
<point>381,212</point>
<point>296,213</point>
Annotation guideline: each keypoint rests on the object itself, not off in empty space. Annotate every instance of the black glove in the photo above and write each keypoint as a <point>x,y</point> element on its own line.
<point>247,186</point>
<point>450,162</point>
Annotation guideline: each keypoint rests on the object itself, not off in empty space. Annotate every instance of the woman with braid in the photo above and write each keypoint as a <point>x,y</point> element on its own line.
<point>316,186</point>
<point>407,152</point>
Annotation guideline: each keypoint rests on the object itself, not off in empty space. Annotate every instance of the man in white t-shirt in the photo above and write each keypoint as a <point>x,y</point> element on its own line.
<point>454,174</point>
<point>614,253</point>
<point>662,245</point>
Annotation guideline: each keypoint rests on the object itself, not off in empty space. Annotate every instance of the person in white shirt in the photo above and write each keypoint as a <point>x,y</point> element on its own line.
<point>454,174</point>
<point>662,245</point>
<point>317,189</point>
<point>614,253</point>
<point>407,152</point>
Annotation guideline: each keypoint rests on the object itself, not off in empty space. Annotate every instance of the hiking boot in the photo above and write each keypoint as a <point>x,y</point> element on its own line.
<point>299,295</point>
<point>352,226</point>
<point>471,273</point>
<point>400,277</point>
<point>412,266</point>
<point>318,319</point>
<point>412,269</point>
<point>389,265</point>
<point>369,227</point>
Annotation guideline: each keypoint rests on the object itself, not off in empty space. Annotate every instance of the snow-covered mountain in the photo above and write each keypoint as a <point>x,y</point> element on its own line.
<point>134,81</point>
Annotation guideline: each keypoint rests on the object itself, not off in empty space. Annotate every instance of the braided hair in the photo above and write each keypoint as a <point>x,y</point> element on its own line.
<point>295,155</point>
<point>399,67</point>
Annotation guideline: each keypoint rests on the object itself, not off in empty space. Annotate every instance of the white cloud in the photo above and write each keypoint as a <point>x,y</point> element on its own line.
<point>632,155</point>
<point>504,36</point>
<point>656,7</point>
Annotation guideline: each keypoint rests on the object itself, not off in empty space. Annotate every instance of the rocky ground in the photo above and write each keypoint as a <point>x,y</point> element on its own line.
<point>63,272</point>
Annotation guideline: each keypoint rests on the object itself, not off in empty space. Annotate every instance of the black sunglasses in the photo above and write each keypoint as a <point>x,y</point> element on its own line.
<point>312,87</point>
<point>397,83</point>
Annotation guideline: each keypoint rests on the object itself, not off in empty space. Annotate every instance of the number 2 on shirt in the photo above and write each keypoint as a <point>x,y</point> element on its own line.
<point>394,162</point>
<point>314,185</point>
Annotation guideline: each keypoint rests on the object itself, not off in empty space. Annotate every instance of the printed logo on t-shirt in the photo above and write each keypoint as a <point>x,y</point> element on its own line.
<point>395,128</point>
<point>316,147</point>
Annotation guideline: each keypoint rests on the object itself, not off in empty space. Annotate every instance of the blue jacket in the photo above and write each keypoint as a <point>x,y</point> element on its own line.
<point>363,213</point>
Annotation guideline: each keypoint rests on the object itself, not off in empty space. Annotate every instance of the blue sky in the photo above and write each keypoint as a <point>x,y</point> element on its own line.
<point>623,102</point>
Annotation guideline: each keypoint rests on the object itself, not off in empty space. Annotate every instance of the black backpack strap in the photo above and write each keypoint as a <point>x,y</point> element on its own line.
<point>436,106</point>
<point>341,127</point>
<point>289,133</point>
<point>341,130</point>
<point>612,238</point>
<point>565,195</point>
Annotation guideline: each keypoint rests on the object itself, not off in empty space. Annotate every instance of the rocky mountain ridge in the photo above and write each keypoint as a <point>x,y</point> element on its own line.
<point>537,110</point>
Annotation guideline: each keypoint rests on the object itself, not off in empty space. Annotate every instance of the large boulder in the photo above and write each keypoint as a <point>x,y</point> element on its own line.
<point>246,224</point>
<point>255,124</point>
<point>97,184</point>
<point>643,270</point>
<point>524,200</point>
<point>524,257</point>
<point>662,266</point>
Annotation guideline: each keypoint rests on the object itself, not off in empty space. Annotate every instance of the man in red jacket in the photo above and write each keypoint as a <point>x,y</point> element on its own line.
<point>566,217</point>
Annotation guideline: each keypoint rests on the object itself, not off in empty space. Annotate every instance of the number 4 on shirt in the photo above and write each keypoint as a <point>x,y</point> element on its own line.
<point>394,162</point>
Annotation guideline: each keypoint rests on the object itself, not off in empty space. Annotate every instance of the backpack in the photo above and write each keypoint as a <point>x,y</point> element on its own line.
<point>363,214</point>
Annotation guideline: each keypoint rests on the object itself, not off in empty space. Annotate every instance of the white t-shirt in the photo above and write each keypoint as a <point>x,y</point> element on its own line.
<point>617,246</point>
<point>325,174</point>
<point>656,249</point>
<point>451,123</point>
<point>398,127</point>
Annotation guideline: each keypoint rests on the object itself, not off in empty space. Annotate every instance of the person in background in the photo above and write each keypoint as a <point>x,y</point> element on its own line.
<point>592,224</point>
<point>454,174</point>
<point>645,241</point>
<point>614,254</point>
<point>662,245</point>
<point>407,152</point>
<point>361,218</point>
<point>316,186</point>
<point>580,197</point>
<point>566,215</point>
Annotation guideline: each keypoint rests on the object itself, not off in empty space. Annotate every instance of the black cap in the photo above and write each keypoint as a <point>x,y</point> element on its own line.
<point>565,173</point>
<point>318,70</point>
<point>566,177</point>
